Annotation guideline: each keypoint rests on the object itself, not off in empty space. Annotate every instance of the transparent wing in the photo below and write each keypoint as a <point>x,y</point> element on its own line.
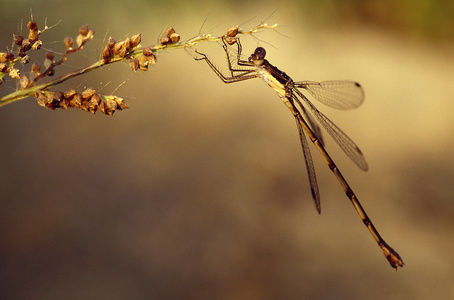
<point>341,94</point>
<point>346,144</point>
<point>309,165</point>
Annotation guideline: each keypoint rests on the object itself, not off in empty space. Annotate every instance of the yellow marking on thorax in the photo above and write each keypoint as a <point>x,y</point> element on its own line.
<point>272,82</point>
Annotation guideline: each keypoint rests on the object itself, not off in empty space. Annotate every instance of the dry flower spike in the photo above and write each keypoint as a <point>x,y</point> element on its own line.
<point>88,100</point>
<point>31,83</point>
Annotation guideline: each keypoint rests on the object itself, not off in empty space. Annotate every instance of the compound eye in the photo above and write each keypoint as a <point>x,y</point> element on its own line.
<point>259,53</point>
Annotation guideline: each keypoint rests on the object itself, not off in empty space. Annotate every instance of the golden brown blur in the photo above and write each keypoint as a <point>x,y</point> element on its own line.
<point>199,189</point>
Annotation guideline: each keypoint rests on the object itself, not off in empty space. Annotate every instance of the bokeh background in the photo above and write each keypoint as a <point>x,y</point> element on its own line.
<point>199,190</point>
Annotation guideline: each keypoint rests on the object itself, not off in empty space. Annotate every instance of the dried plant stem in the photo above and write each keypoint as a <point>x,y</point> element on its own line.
<point>33,89</point>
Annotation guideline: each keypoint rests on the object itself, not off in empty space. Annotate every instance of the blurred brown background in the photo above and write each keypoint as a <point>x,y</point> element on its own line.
<point>199,190</point>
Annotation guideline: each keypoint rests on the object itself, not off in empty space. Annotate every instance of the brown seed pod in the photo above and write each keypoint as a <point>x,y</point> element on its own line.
<point>25,59</point>
<point>118,47</point>
<point>6,56</point>
<point>134,64</point>
<point>147,52</point>
<point>135,40</point>
<point>87,93</point>
<point>84,105</point>
<point>76,101</point>
<point>90,34</point>
<point>170,31</point>
<point>230,40</point>
<point>111,42</point>
<point>57,97</point>
<point>120,103</point>
<point>83,30</point>
<point>25,44</point>
<point>14,73</point>
<point>37,45</point>
<point>102,107</point>
<point>174,38</point>
<point>151,59</point>
<point>3,68</point>
<point>143,62</point>
<point>69,94</point>
<point>93,103</point>
<point>68,42</point>
<point>50,55</point>
<point>41,99</point>
<point>31,25</point>
<point>232,32</point>
<point>24,82</point>
<point>18,39</point>
<point>106,52</point>
<point>111,106</point>
<point>165,40</point>
<point>79,40</point>
<point>36,68</point>
<point>33,35</point>
<point>64,103</point>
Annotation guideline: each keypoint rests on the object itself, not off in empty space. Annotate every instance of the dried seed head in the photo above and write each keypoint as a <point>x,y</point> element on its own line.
<point>232,32</point>
<point>31,25</point>
<point>18,39</point>
<point>151,59</point>
<point>123,47</point>
<point>33,35</point>
<point>118,47</point>
<point>14,73</point>
<point>84,105</point>
<point>174,38</point>
<point>64,103</point>
<point>83,30</point>
<point>170,31</point>
<point>25,44</point>
<point>102,107</point>
<point>24,82</point>
<point>37,45</point>
<point>230,40</point>
<point>55,98</point>
<point>50,55</point>
<point>143,62</point>
<point>41,99</point>
<point>106,52</point>
<point>47,63</point>
<point>25,59</point>
<point>111,106</point>
<point>123,52</point>
<point>93,103</point>
<point>88,93</point>
<point>36,68</point>
<point>3,69</point>
<point>90,34</point>
<point>111,42</point>
<point>68,42</point>
<point>127,44</point>
<point>134,64</point>
<point>165,40</point>
<point>120,104</point>
<point>147,52</point>
<point>76,101</point>
<point>69,94</point>
<point>79,40</point>
<point>135,40</point>
<point>5,56</point>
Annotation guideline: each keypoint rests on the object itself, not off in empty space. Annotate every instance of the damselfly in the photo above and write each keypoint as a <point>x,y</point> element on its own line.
<point>336,94</point>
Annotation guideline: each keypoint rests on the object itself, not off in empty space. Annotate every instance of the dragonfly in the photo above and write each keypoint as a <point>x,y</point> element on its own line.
<point>337,94</point>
